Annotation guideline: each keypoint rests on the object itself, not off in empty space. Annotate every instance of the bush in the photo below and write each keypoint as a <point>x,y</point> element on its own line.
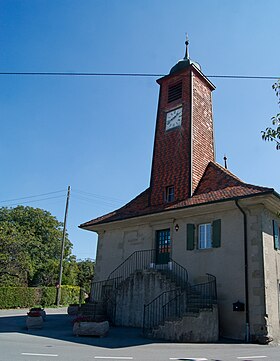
<point>12,297</point>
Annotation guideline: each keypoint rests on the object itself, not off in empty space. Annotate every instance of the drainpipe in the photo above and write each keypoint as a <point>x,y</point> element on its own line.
<point>247,337</point>
<point>191,138</point>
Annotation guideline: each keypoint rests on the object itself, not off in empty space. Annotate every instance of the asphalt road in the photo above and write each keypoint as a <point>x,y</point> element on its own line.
<point>56,342</point>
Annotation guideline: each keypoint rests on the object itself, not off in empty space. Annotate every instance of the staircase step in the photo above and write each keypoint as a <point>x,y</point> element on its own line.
<point>96,308</point>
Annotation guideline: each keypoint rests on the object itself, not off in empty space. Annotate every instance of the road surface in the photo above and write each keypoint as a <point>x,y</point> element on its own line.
<point>56,342</point>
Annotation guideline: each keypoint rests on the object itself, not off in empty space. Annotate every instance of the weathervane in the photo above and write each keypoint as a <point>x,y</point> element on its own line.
<point>225,159</point>
<point>187,50</point>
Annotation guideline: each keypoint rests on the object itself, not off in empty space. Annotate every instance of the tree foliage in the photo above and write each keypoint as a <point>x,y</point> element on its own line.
<point>14,261</point>
<point>273,133</point>
<point>30,248</point>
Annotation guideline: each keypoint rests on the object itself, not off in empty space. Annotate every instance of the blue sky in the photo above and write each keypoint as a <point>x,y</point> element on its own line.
<point>96,133</point>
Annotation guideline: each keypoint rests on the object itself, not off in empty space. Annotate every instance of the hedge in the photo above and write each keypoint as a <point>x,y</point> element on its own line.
<point>13,297</point>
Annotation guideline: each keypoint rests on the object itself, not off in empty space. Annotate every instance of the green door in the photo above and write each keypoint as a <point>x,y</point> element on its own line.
<point>163,246</point>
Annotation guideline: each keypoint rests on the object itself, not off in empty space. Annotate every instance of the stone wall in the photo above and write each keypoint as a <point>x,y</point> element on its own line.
<point>201,327</point>
<point>139,289</point>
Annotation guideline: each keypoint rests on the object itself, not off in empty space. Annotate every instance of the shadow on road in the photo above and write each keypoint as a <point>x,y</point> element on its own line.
<point>59,326</point>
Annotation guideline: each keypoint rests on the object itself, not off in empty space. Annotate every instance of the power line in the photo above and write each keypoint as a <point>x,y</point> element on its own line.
<point>37,200</point>
<point>35,196</point>
<point>95,202</point>
<point>87,74</point>
<point>94,195</point>
<point>78,194</point>
<point>244,77</point>
<point>81,74</point>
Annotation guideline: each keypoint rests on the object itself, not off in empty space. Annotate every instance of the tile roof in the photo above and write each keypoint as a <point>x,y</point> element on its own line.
<point>217,184</point>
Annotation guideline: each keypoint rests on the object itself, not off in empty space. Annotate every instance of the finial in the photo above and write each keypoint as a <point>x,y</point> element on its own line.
<point>187,50</point>
<point>225,159</point>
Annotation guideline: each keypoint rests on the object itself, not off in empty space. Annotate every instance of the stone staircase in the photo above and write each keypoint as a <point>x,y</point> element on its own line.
<point>133,293</point>
<point>199,326</point>
<point>96,310</point>
<point>140,293</point>
<point>190,316</point>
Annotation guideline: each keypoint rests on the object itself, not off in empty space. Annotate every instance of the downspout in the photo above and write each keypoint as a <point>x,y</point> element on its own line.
<point>247,337</point>
<point>191,137</point>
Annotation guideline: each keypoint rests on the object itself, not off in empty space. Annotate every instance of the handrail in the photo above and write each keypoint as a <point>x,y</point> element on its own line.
<point>146,259</point>
<point>137,260</point>
<point>155,316</point>
<point>190,299</point>
<point>100,289</point>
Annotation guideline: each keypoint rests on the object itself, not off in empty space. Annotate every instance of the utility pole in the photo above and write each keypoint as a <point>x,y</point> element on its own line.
<point>58,286</point>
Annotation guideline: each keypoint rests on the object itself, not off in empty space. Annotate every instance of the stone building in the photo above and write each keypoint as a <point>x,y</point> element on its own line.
<point>196,255</point>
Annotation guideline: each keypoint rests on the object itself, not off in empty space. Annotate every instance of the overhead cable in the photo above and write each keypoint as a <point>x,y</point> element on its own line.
<point>34,196</point>
<point>77,74</point>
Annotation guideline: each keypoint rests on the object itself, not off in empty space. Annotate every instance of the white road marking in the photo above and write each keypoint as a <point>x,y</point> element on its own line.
<point>38,354</point>
<point>14,315</point>
<point>188,358</point>
<point>251,357</point>
<point>115,357</point>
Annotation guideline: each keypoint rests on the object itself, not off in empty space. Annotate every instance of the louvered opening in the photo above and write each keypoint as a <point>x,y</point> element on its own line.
<point>174,92</point>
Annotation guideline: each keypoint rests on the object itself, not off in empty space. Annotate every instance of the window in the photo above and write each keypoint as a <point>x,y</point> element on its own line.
<point>276,233</point>
<point>205,236</point>
<point>170,194</point>
<point>174,92</point>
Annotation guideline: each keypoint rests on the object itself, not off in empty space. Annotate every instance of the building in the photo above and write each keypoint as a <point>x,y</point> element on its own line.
<point>195,219</point>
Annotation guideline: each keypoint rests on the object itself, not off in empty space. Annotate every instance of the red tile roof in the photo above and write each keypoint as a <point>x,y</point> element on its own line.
<point>217,184</point>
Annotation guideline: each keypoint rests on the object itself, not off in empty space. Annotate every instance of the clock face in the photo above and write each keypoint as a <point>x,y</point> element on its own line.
<point>173,119</point>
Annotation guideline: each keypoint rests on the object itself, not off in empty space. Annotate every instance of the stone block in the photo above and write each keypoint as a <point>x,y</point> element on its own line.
<point>91,328</point>
<point>34,322</point>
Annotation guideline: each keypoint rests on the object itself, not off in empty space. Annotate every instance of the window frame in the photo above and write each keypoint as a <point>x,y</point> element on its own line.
<point>206,242</point>
<point>170,194</point>
<point>193,237</point>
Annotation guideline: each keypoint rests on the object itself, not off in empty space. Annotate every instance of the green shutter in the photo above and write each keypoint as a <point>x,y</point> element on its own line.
<point>276,234</point>
<point>216,233</point>
<point>190,236</point>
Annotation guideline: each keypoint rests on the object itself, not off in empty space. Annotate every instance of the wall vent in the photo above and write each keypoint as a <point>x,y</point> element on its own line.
<point>175,92</point>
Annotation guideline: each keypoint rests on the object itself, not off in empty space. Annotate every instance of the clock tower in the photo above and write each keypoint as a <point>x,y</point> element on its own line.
<point>183,144</point>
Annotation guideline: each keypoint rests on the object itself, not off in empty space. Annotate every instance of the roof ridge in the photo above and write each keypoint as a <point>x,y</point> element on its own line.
<point>216,177</point>
<point>250,185</point>
<point>223,169</point>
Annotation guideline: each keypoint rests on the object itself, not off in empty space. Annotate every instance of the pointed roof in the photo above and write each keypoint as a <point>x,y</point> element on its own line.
<point>217,184</point>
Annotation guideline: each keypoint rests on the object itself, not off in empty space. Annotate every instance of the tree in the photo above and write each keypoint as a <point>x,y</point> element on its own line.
<point>30,246</point>
<point>78,273</point>
<point>273,133</point>
<point>14,262</point>
<point>85,274</point>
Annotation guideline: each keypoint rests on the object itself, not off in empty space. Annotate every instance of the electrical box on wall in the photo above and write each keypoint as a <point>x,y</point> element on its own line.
<point>238,306</point>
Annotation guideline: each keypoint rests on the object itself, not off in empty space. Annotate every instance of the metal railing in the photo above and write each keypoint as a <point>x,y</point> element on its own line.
<point>153,311</point>
<point>176,303</point>
<point>137,261</point>
<point>146,259</point>
<point>102,290</point>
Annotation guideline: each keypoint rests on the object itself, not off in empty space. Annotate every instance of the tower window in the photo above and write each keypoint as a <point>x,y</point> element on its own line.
<point>170,194</point>
<point>174,92</point>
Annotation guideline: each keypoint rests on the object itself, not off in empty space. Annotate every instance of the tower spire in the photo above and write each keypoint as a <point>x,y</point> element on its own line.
<point>187,50</point>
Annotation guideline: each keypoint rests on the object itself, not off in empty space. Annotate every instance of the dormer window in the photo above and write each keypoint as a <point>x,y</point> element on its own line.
<point>175,92</point>
<point>170,194</point>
